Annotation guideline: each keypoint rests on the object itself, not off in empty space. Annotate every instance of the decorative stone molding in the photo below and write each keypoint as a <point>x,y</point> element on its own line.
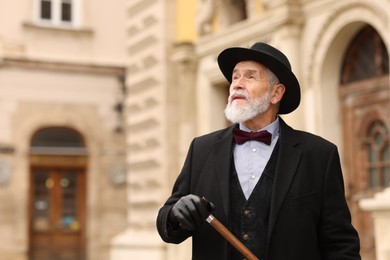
<point>272,4</point>
<point>342,15</point>
<point>204,17</point>
<point>230,12</point>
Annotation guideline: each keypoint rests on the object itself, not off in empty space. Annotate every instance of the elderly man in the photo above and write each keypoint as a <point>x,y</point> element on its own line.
<point>279,190</point>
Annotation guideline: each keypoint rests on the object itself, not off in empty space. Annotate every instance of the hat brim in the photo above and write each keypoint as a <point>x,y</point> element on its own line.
<point>228,59</point>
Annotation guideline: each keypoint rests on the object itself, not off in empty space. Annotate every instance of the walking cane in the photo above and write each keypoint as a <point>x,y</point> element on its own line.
<point>224,232</point>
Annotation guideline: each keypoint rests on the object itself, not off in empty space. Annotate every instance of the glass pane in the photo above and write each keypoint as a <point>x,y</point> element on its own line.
<point>68,183</point>
<point>46,9</point>
<point>373,178</point>
<point>57,137</point>
<point>378,138</point>
<point>372,157</point>
<point>66,12</point>
<point>386,153</point>
<point>41,206</point>
<point>386,177</point>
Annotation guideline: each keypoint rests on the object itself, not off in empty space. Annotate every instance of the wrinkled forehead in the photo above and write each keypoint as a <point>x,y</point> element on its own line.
<point>249,66</point>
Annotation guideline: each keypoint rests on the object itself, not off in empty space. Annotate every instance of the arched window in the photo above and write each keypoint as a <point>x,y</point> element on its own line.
<point>378,149</point>
<point>57,140</point>
<point>366,57</point>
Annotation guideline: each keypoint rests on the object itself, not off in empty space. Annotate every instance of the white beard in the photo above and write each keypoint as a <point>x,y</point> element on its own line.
<point>241,114</point>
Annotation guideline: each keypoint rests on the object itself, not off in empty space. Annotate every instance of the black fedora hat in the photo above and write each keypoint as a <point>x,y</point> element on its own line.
<point>273,59</point>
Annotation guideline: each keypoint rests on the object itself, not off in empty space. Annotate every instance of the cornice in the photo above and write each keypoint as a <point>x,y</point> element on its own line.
<point>62,66</point>
<point>248,31</point>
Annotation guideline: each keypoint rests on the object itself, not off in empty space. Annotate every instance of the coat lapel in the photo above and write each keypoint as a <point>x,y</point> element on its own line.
<point>222,163</point>
<point>288,160</point>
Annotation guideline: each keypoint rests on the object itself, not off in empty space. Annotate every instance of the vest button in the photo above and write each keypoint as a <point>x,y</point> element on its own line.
<point>245,236</point>
<point>247,212</point>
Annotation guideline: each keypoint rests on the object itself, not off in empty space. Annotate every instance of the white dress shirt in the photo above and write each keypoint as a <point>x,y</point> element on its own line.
<point>251,157</point>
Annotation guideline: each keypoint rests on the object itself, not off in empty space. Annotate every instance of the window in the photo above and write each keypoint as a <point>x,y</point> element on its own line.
<point>66,10</point>
<point>55,140</point>
<point>56,12</point>
<point>378,149</point>
<point>366,57</point>
<point>46,10</point>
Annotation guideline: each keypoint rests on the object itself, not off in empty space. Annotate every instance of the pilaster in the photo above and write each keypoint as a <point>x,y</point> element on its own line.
<point>146,110</point>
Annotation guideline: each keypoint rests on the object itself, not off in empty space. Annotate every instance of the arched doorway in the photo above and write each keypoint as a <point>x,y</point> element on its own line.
<point>57,200</point>
<point>364,92</point>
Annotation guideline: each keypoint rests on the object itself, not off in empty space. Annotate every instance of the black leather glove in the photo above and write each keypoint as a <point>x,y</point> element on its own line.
<point>189,212</point>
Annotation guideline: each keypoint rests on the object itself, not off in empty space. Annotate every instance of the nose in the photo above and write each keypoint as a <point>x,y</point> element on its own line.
<point>237,84</point>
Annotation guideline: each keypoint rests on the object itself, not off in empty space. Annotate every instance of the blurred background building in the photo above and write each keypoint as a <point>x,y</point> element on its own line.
<point>99,101</point>
<point>62,142</point>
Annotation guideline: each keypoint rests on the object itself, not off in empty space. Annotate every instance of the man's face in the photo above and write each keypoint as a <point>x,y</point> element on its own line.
<point>250,77</point>
<point>249,92</point>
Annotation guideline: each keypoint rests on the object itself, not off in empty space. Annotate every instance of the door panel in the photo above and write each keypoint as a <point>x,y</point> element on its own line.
<point>57,214</point>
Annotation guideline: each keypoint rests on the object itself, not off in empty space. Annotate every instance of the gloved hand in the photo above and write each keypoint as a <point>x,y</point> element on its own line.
<point>189,212</point>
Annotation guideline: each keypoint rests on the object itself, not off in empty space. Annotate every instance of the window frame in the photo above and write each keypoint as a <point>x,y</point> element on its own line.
<point>56,13</point>
<point>379,164</point>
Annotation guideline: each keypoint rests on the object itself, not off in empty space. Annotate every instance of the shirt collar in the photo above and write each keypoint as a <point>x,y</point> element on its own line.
<point>273,128</point>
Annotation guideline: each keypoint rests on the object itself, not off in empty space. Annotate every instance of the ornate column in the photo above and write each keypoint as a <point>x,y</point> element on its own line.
<point>379,206</point>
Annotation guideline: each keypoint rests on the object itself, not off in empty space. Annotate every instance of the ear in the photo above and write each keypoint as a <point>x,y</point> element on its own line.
<point>277,93</point>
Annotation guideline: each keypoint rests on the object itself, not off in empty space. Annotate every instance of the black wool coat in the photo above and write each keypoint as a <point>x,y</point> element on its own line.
<point>309,217</point>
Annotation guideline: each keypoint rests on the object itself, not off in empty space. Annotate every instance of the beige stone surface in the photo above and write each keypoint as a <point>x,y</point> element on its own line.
<point>379,207</point>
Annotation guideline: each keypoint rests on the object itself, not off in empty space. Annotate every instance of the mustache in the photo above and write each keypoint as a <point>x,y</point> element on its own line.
<point>238,94</point>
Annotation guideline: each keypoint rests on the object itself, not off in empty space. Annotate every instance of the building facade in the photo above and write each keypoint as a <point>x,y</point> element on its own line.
<point>338,50</point>
<point>62,143</point>
<point>99,101</point>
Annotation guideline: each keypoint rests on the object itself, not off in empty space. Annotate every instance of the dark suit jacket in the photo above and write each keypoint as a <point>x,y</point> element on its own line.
<point>309,216</point>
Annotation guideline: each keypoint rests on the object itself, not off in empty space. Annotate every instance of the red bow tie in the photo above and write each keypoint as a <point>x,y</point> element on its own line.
<point>242,136</point>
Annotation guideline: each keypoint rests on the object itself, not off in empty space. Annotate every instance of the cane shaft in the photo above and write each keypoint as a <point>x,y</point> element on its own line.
<point>231,238</point>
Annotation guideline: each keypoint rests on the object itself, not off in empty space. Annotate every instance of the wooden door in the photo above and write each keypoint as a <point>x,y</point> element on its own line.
<point>57,228</point>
